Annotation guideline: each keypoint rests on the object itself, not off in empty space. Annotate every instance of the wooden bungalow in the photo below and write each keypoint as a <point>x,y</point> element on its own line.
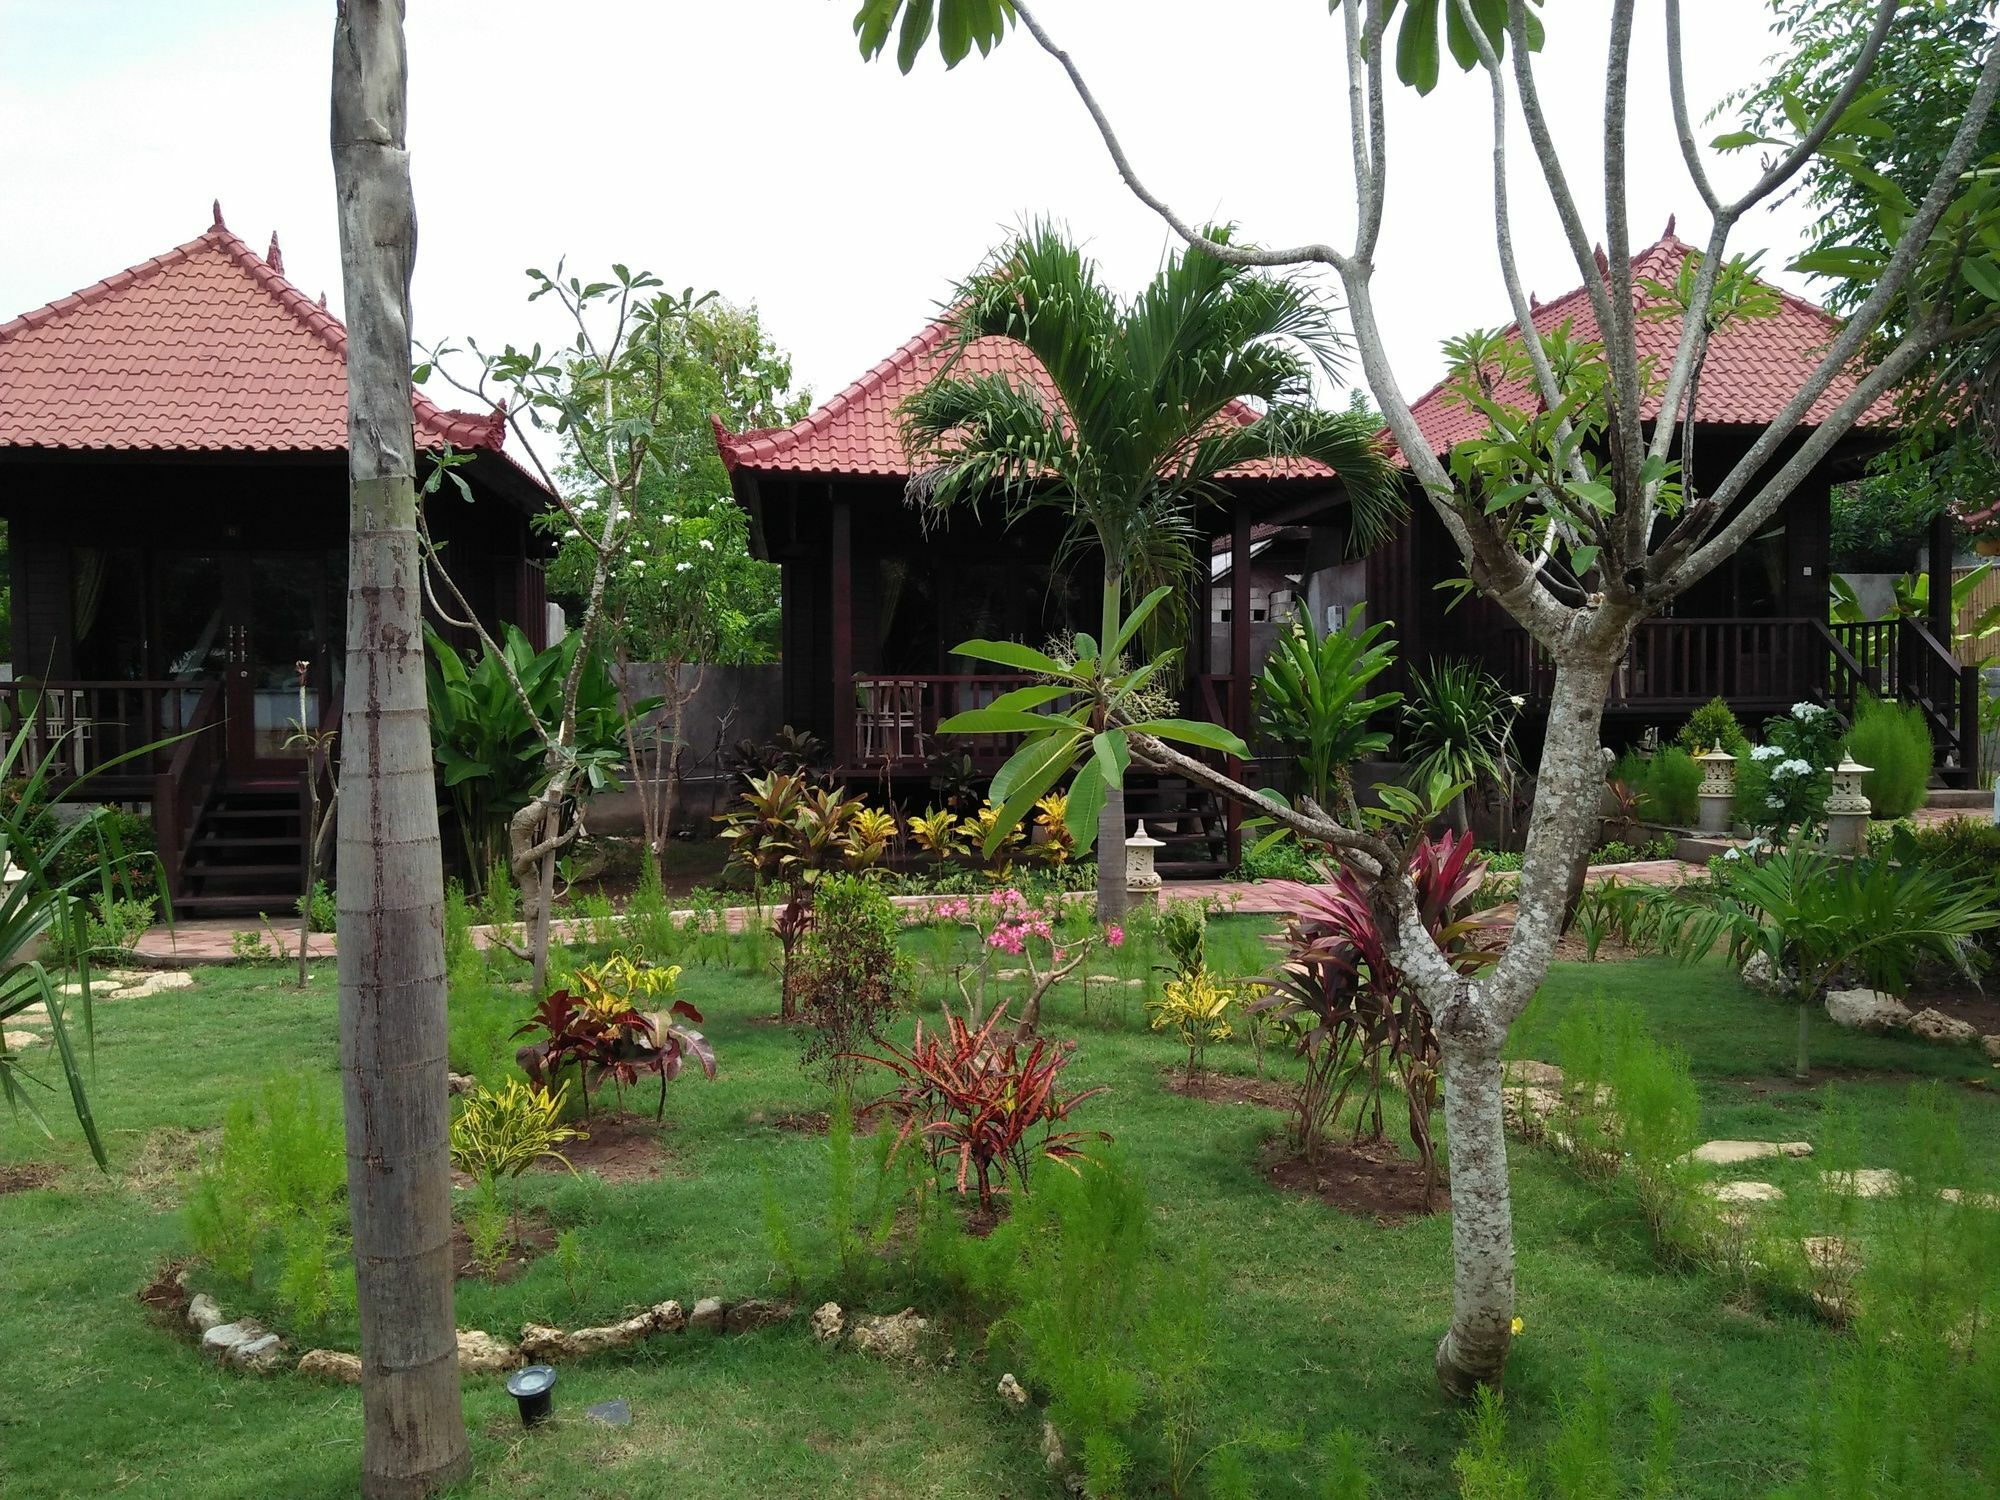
<point>173,474</point>
<point>874,602</point>
<point>1755,631</point>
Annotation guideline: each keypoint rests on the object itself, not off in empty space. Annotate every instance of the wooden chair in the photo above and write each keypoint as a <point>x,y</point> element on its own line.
<point>889,719</point>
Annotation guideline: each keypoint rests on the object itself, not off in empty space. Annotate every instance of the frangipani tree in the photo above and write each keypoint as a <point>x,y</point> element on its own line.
<point>1148,413</point>
<point>1572,510</point>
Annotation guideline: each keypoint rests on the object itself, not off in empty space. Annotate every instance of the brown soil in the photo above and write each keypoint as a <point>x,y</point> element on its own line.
<point>1373,1182</point>
<point>1226,1088</point>
<point>815,1121</point>
<point>537,1238</point>
<point>1817,1078</point>
<point>28,1174</point>
<point>619,1148</point>
<point>1571,948</point>
<point>164,1296</point>
<point>1961,1003</point>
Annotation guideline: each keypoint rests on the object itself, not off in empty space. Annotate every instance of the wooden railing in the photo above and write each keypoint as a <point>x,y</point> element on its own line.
<point>181,789</point>
<point>1767,665</point>
<point>91,725</point>
<point>877,745</point>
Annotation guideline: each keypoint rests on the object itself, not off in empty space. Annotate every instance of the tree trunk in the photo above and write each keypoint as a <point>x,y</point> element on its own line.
<point>1473,1351</point>
<point>1472,1020</point>
<point>1111,857</point>
<point>391,877</point>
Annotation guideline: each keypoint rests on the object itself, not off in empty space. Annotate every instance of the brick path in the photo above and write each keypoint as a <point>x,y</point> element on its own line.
<point>211,940</point>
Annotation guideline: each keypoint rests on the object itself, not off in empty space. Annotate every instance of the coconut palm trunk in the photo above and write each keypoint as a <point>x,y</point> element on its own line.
<point>391,878</point>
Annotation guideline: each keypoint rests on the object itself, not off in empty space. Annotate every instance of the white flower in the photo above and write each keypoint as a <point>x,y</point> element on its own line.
<point>1805,713</point>
<point>707,545</point>
<point>1766,752</point>
<point>586,505</point>
<point>638,565</point>
<point>1792,767</point>
<point>1517,700</point>
<point>682,567</point>
<point>666,520</point>
<point>1732,854</point>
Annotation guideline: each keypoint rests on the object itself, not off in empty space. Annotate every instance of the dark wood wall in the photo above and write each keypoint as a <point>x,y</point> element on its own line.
<point>145,508</point>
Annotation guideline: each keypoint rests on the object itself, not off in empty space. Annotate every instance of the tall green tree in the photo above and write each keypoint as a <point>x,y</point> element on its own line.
<point>391,871</point>
<point>684,592</point>
<point>1569,511</point>
<point>1148,413</point>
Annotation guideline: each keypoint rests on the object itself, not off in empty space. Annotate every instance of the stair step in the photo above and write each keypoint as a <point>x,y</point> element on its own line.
<point>246,905</point>
<point>244,841</point>
<point>201,869</point>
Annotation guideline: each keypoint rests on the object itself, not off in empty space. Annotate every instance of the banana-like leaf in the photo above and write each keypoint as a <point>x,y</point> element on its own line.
<point>1012,654</point>
<point>1194,732</point>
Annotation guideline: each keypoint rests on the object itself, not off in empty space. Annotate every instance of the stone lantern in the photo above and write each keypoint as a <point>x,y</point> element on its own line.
<point>1142,881</point>
<point>1847,809</point>
<point>1718,789</point>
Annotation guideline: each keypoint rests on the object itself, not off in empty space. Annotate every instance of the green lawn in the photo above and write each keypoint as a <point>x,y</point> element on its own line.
<point>1325,1320</point>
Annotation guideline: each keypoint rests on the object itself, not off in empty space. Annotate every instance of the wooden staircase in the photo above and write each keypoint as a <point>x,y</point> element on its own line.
<point>247,854</point>
<point>1188,819</point>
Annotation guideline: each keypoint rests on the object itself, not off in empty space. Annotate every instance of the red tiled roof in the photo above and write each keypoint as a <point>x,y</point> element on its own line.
<point>1754,366</point>
<point>859,431</point>
<point>205,348</point>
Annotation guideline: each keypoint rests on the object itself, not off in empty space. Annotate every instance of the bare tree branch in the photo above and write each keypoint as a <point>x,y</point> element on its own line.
<point>1242,255</point>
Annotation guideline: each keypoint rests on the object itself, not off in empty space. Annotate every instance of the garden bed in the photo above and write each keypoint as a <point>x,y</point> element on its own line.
<point>1370,1181</point>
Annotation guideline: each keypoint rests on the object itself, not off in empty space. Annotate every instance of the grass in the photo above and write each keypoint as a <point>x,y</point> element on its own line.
<point>1325,1320</point>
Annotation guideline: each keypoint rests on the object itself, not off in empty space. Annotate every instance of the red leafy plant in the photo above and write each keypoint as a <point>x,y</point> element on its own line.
<point>977,1096</point>
<point>596,1025</point>
<point>1354,1010</point>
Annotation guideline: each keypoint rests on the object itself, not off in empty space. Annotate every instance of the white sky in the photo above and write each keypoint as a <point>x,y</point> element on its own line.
<point>743,145</point>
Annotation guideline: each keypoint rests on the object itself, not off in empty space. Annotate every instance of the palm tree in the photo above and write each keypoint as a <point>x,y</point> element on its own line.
<point>1156,398</point>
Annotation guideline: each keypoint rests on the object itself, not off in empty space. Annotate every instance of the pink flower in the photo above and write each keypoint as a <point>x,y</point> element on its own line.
<point>1114,936</point>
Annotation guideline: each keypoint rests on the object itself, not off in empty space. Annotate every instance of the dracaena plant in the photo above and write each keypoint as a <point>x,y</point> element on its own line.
<point>1354,1009</point>
<point>983,1104</point>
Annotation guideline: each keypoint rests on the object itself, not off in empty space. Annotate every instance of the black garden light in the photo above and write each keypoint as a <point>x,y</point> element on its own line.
<point>531,1387</point>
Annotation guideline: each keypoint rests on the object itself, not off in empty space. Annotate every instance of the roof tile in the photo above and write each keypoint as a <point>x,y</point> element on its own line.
<point>204,348</point>
<point>858,431</point>
<point>1754,367</point>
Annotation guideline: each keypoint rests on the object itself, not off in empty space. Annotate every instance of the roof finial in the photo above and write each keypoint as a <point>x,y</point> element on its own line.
<point>274,257</point>
<point>1534,303</point>
<point>217,206</point>
<point>1670,227</point>
<point>1597,254</point>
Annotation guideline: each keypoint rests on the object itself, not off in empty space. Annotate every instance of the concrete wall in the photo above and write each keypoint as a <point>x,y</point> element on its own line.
<point>729,704</point>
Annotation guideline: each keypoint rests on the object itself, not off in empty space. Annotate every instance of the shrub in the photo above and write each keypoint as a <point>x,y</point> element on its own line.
<point>1672,788</point>
<point>857,1220</point>
<point>319,909</point>
<point>1195,1006</point>
<point>1710,725</point>
<point>1309,704</point>
<point>276,1187</point>
<point>101,926</point>
<point>1183,926</point>
<point>1893,740</point>
<point>502,1134</point>
<point>851,978</point>
<point>1277,857</point>
<point>118,844</point>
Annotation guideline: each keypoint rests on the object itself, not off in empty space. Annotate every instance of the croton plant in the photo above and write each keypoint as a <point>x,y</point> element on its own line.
<point>596,1023</point>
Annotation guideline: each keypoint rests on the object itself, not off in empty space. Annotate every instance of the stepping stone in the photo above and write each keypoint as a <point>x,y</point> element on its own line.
<point>1734,1153</point>
<point>1745,1192</point>
<point>1541,1074</point>
<point>20,1041</point>
<point>1009,976</point>
<point>1977,1200</point>
<point>1865,1182</point>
